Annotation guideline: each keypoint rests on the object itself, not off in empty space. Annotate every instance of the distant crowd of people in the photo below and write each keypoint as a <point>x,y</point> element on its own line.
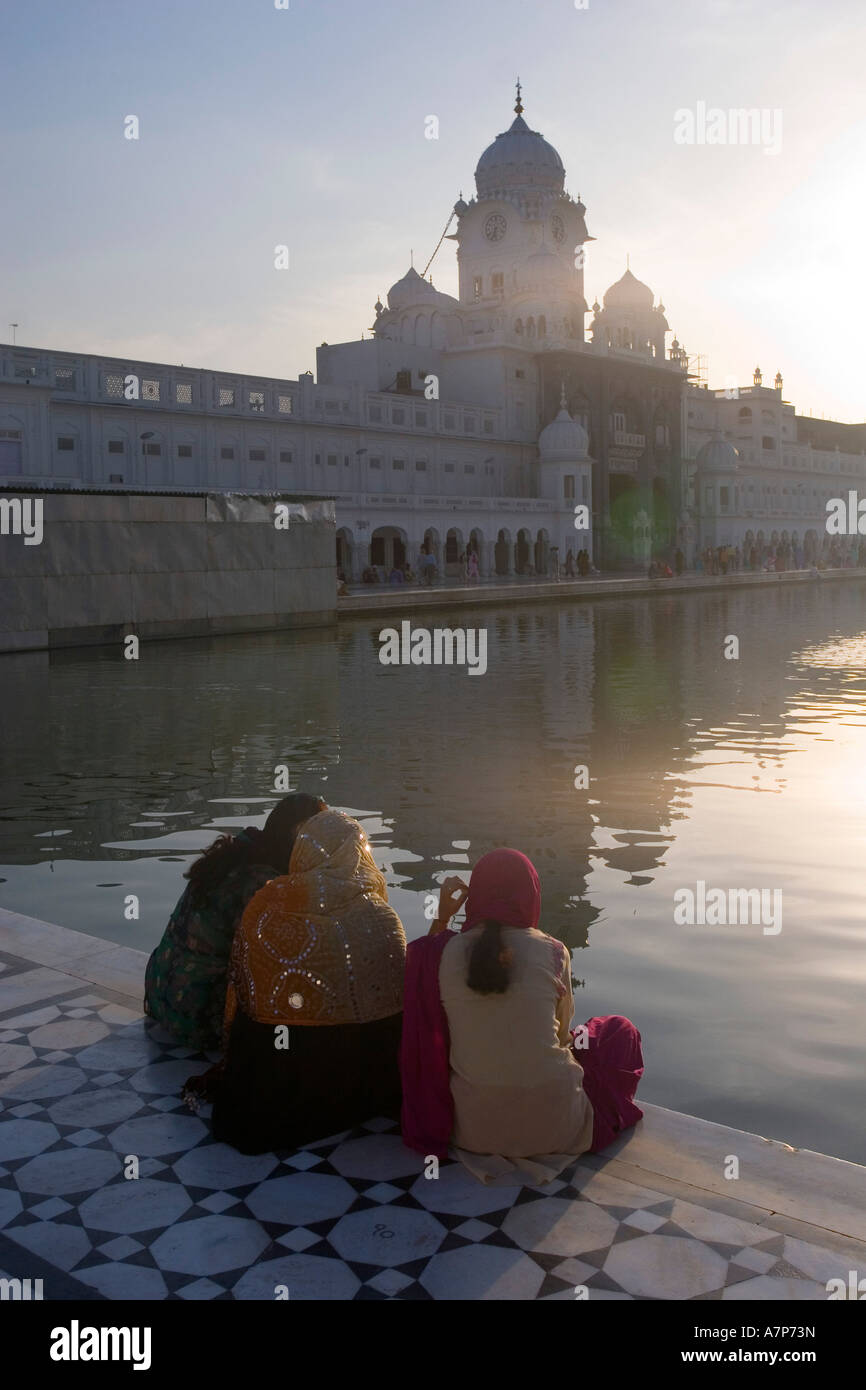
<point>752,557</point>
<point>764,556</point>
<point>734,559</point>
<point>468,567</point>
<point>398,574</point>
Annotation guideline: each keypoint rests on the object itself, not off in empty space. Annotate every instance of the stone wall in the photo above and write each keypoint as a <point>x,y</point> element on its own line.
<point>163,565</point>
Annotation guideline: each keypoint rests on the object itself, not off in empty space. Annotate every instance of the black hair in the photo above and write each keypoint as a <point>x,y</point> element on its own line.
<point>271,846</point>
<point>488,962</point>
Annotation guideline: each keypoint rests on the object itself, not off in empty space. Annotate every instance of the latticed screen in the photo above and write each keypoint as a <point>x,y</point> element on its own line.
<point>226,395</point>
<point>150,390</point>
<point>112,384</point>
<point>287,405</point>
<point>183,393</point>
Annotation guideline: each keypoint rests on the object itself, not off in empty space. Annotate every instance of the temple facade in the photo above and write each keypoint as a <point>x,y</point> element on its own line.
<point>758,473</point>
<point>494,421</point>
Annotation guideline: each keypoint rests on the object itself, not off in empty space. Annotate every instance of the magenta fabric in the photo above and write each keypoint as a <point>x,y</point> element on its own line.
<point>427,1113</point>
<point>612,1067</point>
<point>504,886</point>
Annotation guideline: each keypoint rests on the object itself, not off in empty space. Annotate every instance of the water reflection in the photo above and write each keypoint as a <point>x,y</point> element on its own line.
<point>742,773</point>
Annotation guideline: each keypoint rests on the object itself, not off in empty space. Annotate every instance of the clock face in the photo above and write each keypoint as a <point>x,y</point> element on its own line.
<point>557,226</point>
<point>494,227</point>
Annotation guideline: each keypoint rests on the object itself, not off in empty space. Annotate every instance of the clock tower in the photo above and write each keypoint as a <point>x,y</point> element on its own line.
<point>520,239</point>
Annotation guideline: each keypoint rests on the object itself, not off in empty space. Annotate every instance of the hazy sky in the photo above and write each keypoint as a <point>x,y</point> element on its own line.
<point>261,126</point>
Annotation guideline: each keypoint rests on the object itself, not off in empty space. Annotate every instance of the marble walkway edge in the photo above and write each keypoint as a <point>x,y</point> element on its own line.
<point>85,1080</point>
<point>386,598</point>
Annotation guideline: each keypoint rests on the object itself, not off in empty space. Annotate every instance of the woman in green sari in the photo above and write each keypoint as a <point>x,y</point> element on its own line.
<point>185,983</point>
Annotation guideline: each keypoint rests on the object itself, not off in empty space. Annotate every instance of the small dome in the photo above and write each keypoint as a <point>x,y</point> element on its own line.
<point>414,289</point>
<point>519,158</point>
<point>717,455</point>
<point>564,440</point>
<point>629,293</point>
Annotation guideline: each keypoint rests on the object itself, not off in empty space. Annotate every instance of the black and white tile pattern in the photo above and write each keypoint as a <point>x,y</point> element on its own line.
<point>85,1083</point>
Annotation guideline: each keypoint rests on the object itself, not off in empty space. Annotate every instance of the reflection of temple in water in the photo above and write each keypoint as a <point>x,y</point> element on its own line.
<point>634,690</point>
<point>489,761</point>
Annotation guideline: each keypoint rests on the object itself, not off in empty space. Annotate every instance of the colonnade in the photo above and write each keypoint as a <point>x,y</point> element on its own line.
<point>506,555</point>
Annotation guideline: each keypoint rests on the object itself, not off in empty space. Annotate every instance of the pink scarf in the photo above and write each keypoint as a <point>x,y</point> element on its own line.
<point>504,887</point>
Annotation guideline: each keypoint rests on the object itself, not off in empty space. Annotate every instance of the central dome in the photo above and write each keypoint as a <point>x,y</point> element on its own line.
<point>519,158</point>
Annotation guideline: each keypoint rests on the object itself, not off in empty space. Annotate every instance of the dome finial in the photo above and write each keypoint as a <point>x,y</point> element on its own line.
<point>563,403</point>
<point>518,106</point>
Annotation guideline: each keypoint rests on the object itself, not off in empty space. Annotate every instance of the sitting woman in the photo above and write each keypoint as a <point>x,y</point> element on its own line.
<point>488,1060</point>
<point>185,982</point>
<point>315,999</point>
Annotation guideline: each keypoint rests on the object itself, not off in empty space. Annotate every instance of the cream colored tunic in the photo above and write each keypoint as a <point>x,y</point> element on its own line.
<point>517,1086</point>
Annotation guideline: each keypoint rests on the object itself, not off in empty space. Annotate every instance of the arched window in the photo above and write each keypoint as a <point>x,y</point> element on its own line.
<point>530,327</point>
<point>518,327</point>
<point>542,326</point>
<point>768,442</point>
<point>745,413</point>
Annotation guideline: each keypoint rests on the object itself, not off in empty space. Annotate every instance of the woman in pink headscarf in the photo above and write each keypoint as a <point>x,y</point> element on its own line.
<point>488,1059</point>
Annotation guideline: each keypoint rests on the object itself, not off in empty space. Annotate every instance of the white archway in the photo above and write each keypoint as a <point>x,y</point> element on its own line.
<point>346,553</point>
<point>503,555</point>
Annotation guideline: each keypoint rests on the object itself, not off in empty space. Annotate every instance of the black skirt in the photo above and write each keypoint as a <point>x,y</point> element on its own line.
<point>327,1080</point>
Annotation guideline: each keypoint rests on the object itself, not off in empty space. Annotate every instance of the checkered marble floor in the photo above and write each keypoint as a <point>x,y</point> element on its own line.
<point>86,1082</point>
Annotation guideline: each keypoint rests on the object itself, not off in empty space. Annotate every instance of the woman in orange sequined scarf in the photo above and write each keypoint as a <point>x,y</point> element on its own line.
<point>315,998</point>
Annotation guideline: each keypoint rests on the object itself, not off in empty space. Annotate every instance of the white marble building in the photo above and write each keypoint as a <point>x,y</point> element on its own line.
<point>428,429</point>
<point>448,424</point>
<point>758,472</point>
